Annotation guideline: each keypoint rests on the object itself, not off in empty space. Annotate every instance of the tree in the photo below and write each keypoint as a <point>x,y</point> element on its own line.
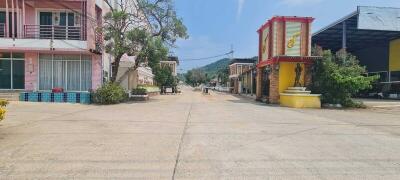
<point>223,75</point>
<point>195,77</point>
<point>164,77</point>
<point>132,28</point>
<point>338,77</point>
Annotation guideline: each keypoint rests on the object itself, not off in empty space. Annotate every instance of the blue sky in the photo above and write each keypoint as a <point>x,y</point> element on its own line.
<point>215,25</point>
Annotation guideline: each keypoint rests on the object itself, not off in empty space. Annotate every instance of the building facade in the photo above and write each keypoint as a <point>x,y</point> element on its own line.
<point>372,34</point>
<point>172,62</point>
<point>238,68</point>
<point>47,44</point>
<point>130,78</point>
<point>284,43</point>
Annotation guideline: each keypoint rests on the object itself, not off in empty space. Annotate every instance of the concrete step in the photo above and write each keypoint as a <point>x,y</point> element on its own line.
<point>9,96</point>
<point>297,92</point>
<point>297,88</point>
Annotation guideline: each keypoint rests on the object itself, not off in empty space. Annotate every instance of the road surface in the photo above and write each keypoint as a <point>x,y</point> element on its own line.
<point>195,136</point>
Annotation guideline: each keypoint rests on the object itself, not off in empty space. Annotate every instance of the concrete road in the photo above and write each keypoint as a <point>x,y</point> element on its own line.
<point>194,136</point>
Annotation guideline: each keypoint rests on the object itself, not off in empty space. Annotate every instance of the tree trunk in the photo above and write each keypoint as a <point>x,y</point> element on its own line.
<point>115,67</point>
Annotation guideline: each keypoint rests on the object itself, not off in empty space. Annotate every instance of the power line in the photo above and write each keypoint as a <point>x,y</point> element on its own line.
<point>206,58</point>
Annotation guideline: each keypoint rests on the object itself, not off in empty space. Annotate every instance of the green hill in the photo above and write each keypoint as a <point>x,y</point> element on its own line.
<point>212,69</point>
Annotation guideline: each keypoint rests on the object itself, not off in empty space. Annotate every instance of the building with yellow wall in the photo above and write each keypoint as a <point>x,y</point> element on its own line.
<point>373,35</point>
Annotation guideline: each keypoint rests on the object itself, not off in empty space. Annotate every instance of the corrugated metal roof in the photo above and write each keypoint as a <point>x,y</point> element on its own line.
<point>378,18</point>
<point>375,27</point>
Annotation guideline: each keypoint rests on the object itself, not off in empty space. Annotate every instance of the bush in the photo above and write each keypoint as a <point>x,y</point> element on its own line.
<point>338,77</point>
<point>139,91</point>
<point>3,104</point>
<point>150,88</point>
<point>109,93</point>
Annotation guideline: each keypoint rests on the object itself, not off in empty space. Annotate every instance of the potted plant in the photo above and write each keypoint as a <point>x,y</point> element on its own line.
<point>139,94</point>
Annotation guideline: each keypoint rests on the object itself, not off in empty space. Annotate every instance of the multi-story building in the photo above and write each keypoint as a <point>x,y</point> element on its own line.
<point>237,67</point>
<point>46,44</point>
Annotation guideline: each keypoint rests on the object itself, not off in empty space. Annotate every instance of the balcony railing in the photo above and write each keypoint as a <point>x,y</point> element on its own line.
<point>53,32</point>
<point>2,30</point>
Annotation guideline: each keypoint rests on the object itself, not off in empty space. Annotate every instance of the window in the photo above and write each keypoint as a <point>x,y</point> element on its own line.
<point>58,25</point>
<point>394,75</point>
<point>239,69</point>
<point>70,72</point>
<point>383,76</point>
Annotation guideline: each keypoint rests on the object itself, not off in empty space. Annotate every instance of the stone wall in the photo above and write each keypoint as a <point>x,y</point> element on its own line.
<point>274,85</point>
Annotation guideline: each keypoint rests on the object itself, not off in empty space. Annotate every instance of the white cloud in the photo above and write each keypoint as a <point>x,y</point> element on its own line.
<point>299,2</point>
<point>240,8</point>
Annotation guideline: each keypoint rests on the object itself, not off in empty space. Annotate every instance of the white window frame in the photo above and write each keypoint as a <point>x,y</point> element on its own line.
<point>11,66</point>
<point>66,85</point>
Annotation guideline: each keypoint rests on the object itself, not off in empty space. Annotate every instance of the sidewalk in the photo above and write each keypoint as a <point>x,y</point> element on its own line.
<point>253,97</point>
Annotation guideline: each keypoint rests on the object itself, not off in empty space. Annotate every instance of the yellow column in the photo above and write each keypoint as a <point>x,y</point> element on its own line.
<point>394,56</point>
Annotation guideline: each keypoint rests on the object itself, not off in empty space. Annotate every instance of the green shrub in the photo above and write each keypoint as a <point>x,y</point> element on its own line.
<point>338,77</point>
<point>109,93</point>
<point>139,91</point>
<point>150,88</point>
<point>3,104</point>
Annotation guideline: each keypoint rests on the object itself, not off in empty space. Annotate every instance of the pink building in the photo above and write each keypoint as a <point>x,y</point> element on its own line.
<point>46,44</point>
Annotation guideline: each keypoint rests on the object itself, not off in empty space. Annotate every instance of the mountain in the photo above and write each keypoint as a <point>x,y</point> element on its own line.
<point>213,68</point>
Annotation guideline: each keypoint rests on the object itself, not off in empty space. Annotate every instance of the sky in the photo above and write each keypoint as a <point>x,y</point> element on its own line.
<point>216,25</point>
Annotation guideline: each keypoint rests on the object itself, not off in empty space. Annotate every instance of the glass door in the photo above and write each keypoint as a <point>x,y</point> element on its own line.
<point>2,24</point>
<point>12,71</point>
<point>46,22</point>
<point>5,71</point>
<point>18,71</point>
<point>66,29</point>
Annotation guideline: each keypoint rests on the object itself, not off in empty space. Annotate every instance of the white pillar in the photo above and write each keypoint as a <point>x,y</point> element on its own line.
<point>18,19</point>
<point>7,18</point>
<point>12,20</point>
<point>251,82</point>
<point>23,17</point>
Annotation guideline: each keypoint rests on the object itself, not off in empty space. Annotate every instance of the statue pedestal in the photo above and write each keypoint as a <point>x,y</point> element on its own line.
<point>299,97</point>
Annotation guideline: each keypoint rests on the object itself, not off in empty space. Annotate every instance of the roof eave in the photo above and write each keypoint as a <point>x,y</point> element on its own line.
<point>336,22</point>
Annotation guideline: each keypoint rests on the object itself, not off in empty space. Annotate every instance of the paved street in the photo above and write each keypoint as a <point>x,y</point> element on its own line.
<point>194,136</point>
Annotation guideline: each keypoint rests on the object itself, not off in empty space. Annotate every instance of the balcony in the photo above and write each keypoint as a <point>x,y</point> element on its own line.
<point>2,30</point>
<point>52,32</point>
